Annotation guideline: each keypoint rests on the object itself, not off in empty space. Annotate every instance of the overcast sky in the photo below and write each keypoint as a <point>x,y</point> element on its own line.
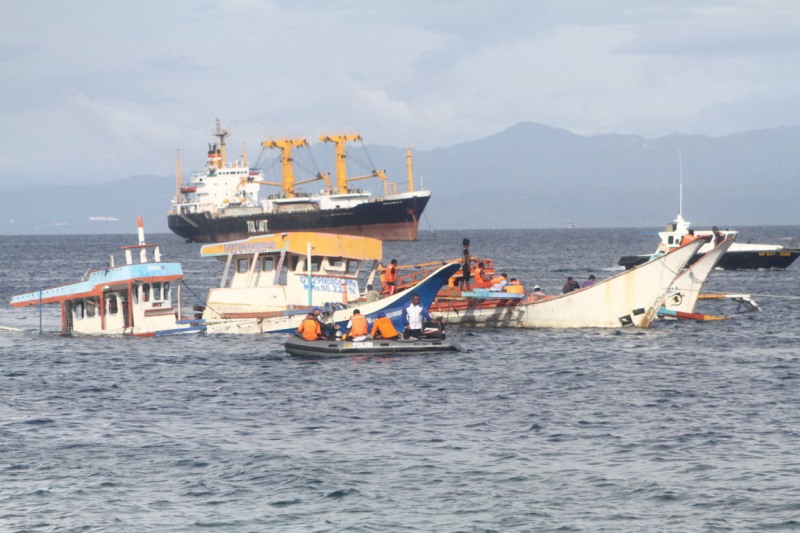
<point>98,90</point>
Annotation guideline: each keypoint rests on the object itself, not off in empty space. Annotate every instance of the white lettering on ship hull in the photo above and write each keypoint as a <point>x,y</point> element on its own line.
<point>257,226</point>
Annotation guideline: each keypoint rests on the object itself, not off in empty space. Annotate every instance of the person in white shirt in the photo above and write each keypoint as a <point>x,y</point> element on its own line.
<point>412,318</point>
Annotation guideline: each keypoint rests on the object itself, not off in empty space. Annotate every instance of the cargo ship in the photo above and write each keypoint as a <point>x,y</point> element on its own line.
<point>223,202</point>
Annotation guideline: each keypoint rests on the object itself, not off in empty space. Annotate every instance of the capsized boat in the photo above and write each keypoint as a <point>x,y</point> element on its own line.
<point>630,298</point>
<point>740,256</point>
<point>131,299</point>
<point>682,296</point>
<point>270,282</point>
<point>223,202</point>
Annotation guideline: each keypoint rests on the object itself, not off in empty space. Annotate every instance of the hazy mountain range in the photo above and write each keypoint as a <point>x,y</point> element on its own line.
<point>527,176</point>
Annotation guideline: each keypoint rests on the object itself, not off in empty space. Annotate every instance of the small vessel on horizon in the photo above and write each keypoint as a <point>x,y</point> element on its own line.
<point>223,201</point>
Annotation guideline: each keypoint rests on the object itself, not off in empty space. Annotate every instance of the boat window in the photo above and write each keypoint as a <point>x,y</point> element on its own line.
<point>146,292</point>
<point>352,266</point>
<point>291,263</point>
<point>79,309</point>
<point>112,307</point>
<point>267,264</point>
<point>670,240</point>
<point>242,265</point>
<point>335,262</point>
<point>156,291</point>
<point>166,290</point>
<point>91,306</point>
<point>316,262</point>
<point>135,292</point>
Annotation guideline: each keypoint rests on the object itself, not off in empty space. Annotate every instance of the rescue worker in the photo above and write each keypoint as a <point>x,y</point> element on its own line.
<point>357,326</point>
<point>309,328</point>
<point>412,318</point>
<point>383,328</point>
<point>328,330</point>
<point>481,279</point>
<point>390,277</point>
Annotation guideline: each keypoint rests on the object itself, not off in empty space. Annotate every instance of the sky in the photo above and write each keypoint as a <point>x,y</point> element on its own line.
<point>97,90</point>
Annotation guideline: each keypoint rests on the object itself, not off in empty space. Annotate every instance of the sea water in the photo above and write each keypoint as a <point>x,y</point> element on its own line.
<point>687,426</point>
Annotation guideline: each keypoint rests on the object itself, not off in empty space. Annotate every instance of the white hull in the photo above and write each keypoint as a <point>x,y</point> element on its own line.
<point>683,294</point>
<point>630,298</point>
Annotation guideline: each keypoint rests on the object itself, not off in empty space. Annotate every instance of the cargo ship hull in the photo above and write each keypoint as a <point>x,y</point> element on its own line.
<point>385,219</point>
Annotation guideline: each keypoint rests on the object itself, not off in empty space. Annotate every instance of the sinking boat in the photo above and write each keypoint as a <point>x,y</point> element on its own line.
<point>131,299</point>
<point>630,298</point>
<point>685,291</point>
<point>223,202</point>
<point>270,282</point>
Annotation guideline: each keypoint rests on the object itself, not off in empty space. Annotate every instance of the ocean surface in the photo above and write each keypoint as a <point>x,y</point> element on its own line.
<point>686,426</point>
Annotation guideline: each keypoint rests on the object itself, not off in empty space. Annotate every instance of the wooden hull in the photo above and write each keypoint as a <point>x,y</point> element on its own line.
<point>630,298</point>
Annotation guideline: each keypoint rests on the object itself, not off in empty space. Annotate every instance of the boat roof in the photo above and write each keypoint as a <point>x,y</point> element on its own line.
<point>322,244</point>
<point>97,280</point>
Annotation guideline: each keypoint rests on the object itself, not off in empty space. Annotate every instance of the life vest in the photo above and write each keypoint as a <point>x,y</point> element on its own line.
<point>515,288</point>
<point>309,329</point>
<point>385,327</point>
<point>358,325</point>
<point>390,275</point>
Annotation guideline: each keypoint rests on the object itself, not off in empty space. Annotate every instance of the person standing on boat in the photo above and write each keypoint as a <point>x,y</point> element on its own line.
<point>589,282</point>
<point>357,328</point>
<point>689,237</point>
<point>570,285</point>
<point>383,328</point>
<point>391,276</point>
<point>718,236</point>
<point>412,318</point>
<point>371,295</point>
<point>465,265</point>
<point>309,328</point>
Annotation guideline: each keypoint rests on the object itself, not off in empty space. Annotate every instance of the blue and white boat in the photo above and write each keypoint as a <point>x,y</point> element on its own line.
<point>131,299</point>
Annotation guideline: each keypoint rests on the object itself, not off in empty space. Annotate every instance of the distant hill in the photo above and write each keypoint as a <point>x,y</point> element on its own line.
<point>527,176</point>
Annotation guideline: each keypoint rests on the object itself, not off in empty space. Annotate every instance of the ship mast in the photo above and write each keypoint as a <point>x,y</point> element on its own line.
<point>178,179</point>
<point>287,171</point>
<point>341,167</point>
<point>409,166</point>
<point>221,133</point>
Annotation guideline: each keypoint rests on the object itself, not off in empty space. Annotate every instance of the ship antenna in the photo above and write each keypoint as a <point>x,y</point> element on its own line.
<point>680,186</point>
<point>410,167</point>
<point>178,178</point>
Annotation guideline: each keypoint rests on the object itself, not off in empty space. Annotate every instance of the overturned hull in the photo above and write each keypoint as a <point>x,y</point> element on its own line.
<point>386,219</point>
<point>630,298</point>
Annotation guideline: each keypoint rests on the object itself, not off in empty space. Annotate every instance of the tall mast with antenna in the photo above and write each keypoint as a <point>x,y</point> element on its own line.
<point>680,187</point>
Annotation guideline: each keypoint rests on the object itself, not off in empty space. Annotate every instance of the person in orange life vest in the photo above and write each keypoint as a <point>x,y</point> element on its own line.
<point>689,237</point>
<point>499,283</point>
<point>383,328</point>
<point>391,276</point>
<point>481,279</point>
<point>309,328</point>
<point>357,328</point>
<point>515,287</point>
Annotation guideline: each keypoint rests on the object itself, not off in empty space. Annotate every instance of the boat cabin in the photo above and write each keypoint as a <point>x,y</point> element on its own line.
<point>131,299</point>
<point>267,275</point>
